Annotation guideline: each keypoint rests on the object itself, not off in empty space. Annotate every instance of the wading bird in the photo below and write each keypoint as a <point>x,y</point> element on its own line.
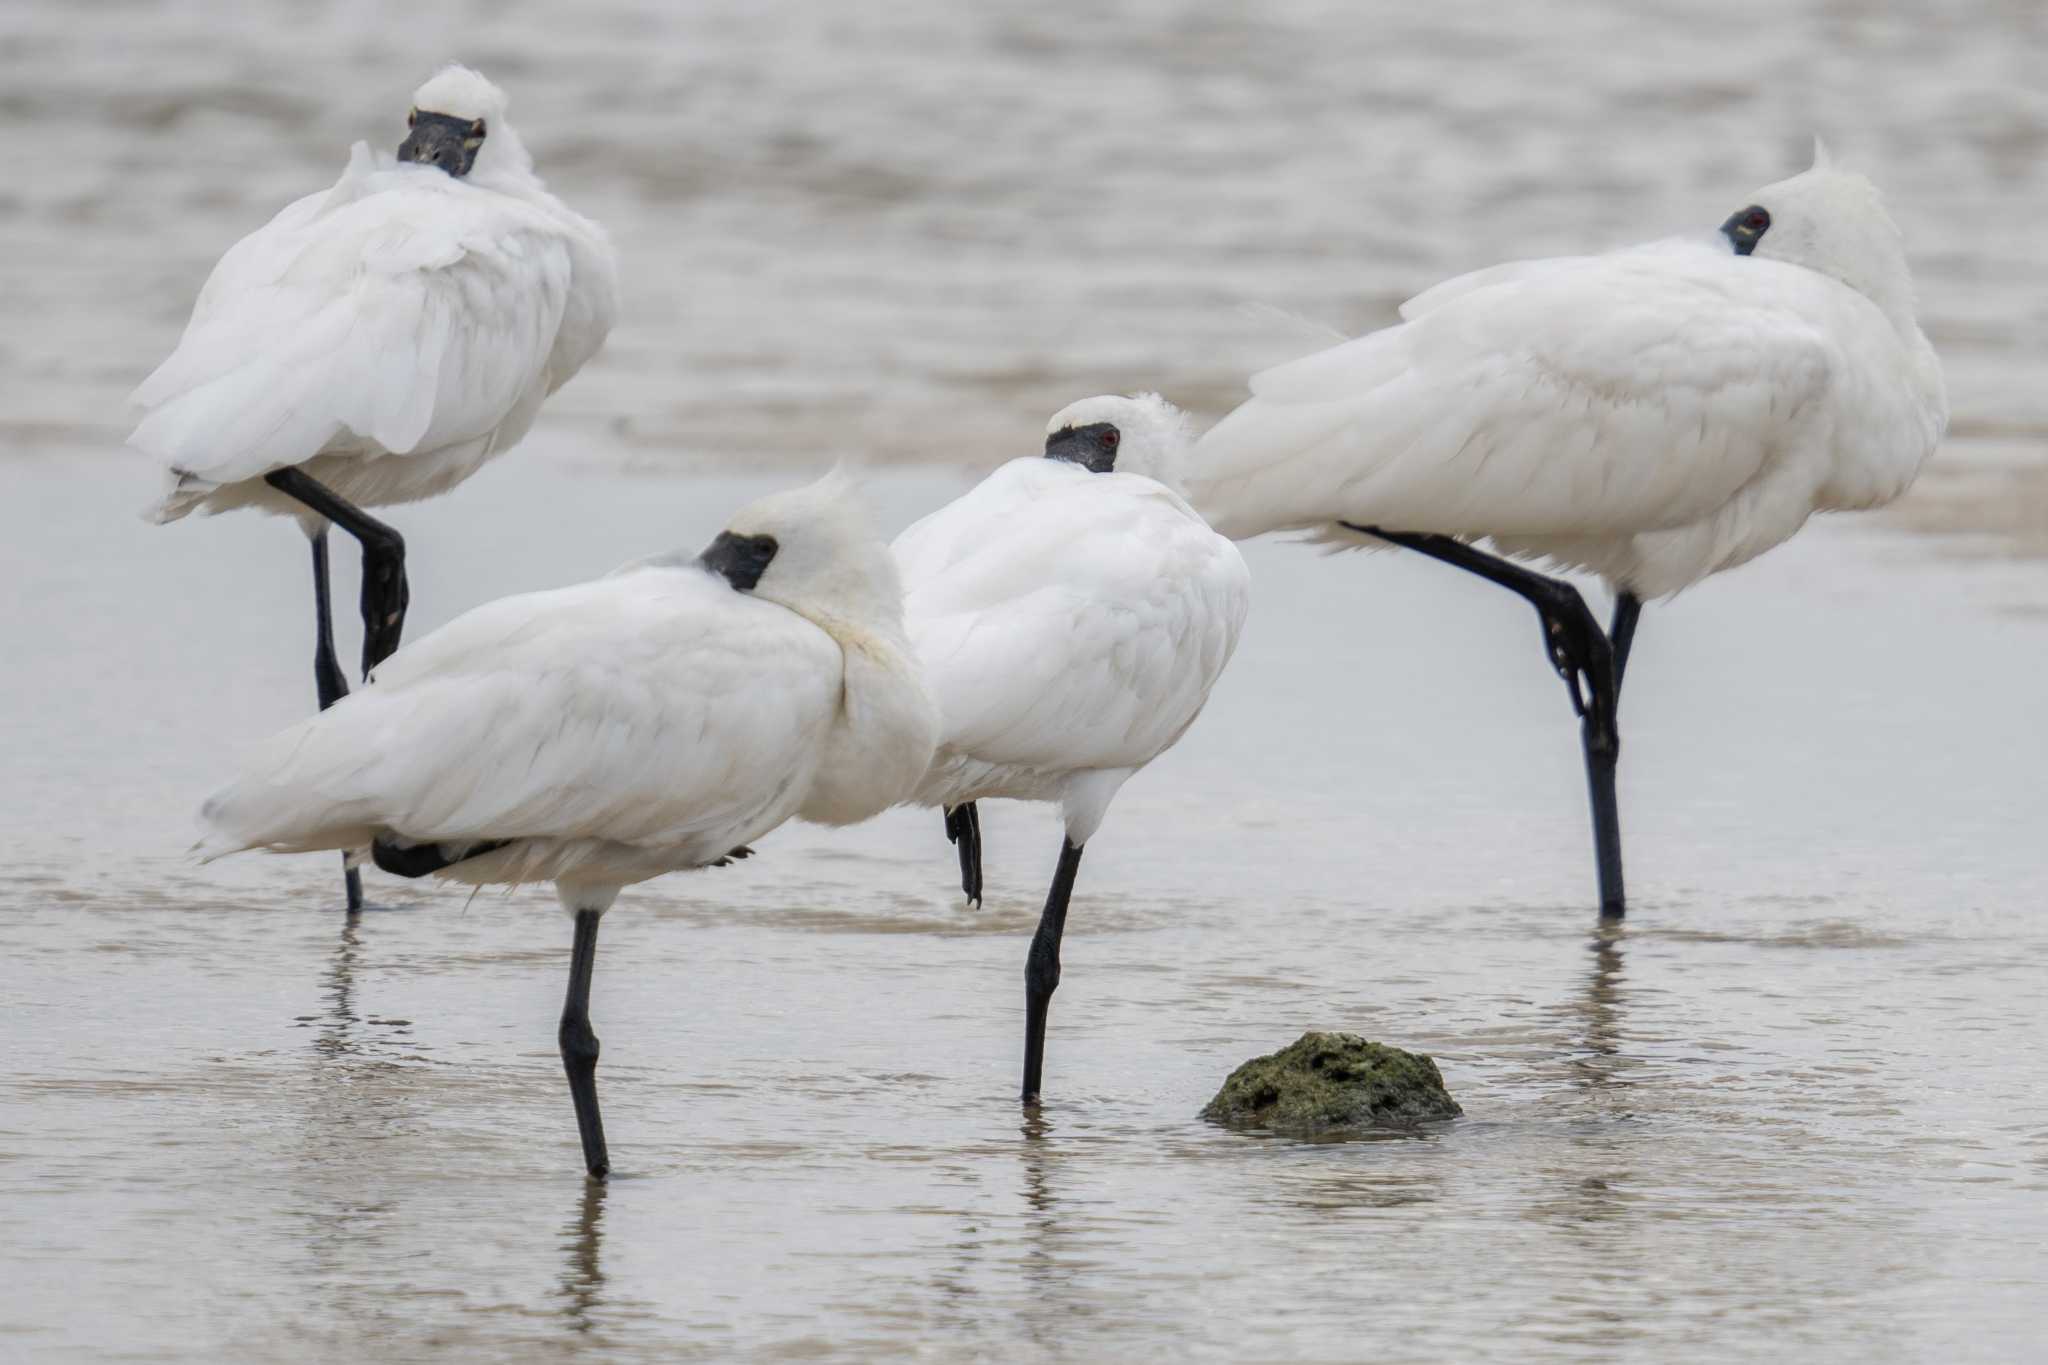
<point>376,342</point>
<point>1072,613</point>
<point>599,735</point>
<point>1653,415</point>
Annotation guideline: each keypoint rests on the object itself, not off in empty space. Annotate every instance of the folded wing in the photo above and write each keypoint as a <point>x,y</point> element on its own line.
<point>1077,623</point>
<point>397,311</point>
<point>655,707</point>
<point>1584,395</point>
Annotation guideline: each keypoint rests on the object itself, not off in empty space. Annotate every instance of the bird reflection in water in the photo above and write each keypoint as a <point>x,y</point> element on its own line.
<point>342,1033</point>
<point>1595,1187</point>
<point>1036,1129</point>
<point>1052,1292</point>
<point>340,1022</point>
<point>1598,1062</point>
<point>363,1087</point>
<point>582,1288</point>
<point>345,1199</point>
<point>1042,1216</point>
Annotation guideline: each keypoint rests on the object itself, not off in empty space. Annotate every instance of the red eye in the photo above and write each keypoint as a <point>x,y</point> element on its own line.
<point>1111,437</point>
<point>1759,220</point>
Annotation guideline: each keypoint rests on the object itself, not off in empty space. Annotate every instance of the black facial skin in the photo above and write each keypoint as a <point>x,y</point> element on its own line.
<point>739,560</point>
<point>1092,447</point>
<point>442,140</point>
<point>1746,227</point>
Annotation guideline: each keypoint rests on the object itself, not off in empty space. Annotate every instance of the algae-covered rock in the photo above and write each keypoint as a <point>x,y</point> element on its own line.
<point>1333,1080</point>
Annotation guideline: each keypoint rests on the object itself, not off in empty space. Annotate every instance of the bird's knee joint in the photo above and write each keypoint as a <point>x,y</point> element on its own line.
<point>1041,976</point>
<point>578,1040</point>
<point>386,556</point>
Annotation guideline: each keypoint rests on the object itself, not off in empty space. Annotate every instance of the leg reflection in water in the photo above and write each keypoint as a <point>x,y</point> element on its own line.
<point>1043,1257</point>
<point>1591,1191</point>
<point>582,1290</point>
<point>1599,1061</point>
<point>340,1022</point>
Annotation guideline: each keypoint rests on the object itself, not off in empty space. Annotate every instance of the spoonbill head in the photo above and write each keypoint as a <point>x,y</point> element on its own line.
<point>1140,433</point>
<point>815,551</point>
<point>1833,222</point>
<point>457,123</point>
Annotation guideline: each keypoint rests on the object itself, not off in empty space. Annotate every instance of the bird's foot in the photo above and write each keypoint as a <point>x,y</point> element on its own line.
<point>386,594</point>
<point>331,682</point>
<point>1584,657</point>
<point>963,829</point>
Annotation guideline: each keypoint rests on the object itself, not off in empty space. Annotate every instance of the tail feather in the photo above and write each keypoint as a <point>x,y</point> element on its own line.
<point>182,493</point>
<point>303,789</point>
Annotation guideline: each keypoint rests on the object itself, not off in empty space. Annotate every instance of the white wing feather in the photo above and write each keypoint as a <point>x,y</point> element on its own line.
<point>1587,395</point>
<point>1069,620</point>
<point>398,311</point>
<point>656,707</point>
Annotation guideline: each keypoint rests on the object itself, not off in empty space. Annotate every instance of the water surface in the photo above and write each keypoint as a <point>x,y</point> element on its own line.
<point>1796,1104</point>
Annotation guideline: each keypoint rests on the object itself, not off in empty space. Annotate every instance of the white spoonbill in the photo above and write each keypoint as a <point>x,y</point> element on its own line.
<point>376,342</point>
<point>1072,613</point>
<point>1653,415</point>
<point>599,735</point>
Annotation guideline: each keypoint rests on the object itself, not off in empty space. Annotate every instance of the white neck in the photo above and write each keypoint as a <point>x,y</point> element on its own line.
<point>503,164</point>
<point>879,746</point>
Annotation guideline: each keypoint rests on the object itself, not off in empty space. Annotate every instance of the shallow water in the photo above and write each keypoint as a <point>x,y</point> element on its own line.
<point>1798,1105</point>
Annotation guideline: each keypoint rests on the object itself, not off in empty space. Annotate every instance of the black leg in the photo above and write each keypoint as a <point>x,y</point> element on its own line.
<point>385,591</point>
<point>963,829</point>
<point>1042,967</point>
<point>579,1045</point>
<point>1601,758</point>
<point>1622,634</point>
<point>330,683</point>
<point>1600,763</point>
<point>328,679</point>
<point>1583,656</point>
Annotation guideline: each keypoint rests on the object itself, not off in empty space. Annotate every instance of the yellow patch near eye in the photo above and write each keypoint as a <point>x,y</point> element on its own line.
<point>470,144</point>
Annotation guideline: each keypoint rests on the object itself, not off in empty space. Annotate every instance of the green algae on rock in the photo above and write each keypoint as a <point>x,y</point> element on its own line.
<point>1333,1080</point>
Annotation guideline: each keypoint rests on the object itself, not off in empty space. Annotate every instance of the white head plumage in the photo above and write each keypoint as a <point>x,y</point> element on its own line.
<point>828,563</point>
<point>460,93</point>
<point>1834,221</point>
<point>1153,434</point>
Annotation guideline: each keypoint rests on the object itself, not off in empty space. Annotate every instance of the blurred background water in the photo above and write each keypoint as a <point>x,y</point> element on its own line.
<point>1798,1105</point>
<point>917,229</point>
